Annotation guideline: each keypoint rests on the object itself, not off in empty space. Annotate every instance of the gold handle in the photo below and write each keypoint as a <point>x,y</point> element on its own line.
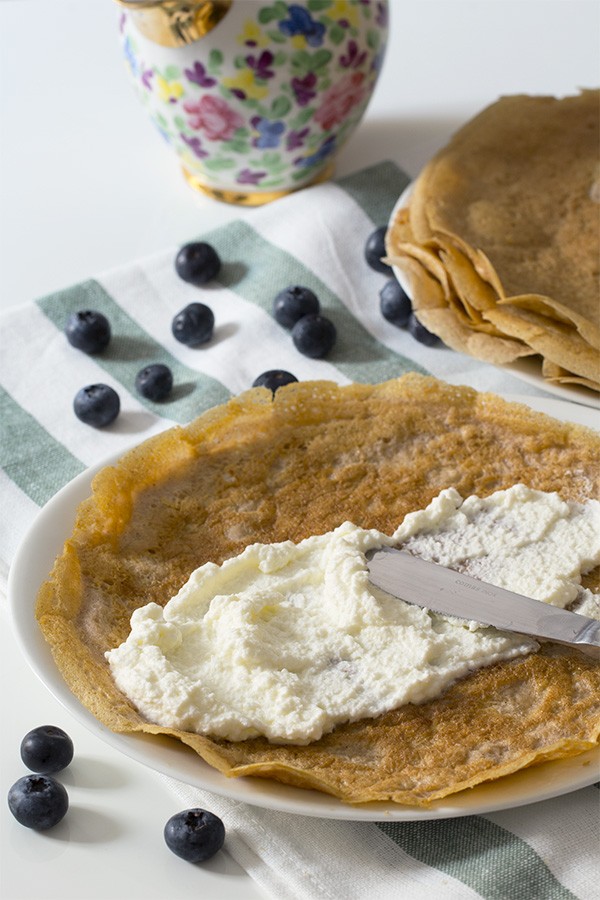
<point>174,23</point>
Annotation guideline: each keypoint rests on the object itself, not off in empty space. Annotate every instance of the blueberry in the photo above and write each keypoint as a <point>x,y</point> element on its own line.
<point>194,324</point>
<point>38,801</point>
<point>88,331</point>
<point>197,263</point>
<point>293,303</point>
<point>375,249</point>
<point>420,333</point>
<point>154,382</point>
<point>394,303</point>
<point>194,834</point>
<point>273,379</point>
<point>97,404</point>
<point>314,335</point>
<point>46,749</point>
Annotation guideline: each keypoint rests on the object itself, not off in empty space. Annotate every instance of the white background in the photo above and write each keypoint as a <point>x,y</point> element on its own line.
<point>85,185</point>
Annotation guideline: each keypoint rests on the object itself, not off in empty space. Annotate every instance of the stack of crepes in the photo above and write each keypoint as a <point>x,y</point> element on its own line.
<point>499,239</point>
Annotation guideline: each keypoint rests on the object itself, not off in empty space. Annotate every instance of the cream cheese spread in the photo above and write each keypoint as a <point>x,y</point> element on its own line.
<point>288,640</point>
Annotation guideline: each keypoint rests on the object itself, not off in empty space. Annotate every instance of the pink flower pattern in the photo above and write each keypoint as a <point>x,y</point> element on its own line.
<point>340,99</point>
<point>214,117</point>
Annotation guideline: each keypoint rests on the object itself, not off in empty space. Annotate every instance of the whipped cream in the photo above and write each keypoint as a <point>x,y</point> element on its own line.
<point>288,640</point>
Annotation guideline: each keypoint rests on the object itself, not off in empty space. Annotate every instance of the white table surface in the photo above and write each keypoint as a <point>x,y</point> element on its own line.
<point>85,185</point>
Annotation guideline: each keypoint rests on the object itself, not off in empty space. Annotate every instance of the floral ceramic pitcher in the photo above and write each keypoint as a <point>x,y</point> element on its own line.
<point>254,96</point>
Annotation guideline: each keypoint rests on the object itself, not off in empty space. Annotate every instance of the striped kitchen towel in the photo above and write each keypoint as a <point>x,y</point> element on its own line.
<point>314,238</point>
<point>543,851</point>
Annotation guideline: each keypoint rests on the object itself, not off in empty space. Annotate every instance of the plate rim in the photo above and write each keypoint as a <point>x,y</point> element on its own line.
<point>527,369</point>
<point>552,778</point>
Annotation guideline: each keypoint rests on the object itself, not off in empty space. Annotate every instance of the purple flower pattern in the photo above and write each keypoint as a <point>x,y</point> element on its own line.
<point>195,145</point>
<point>261,65</point>
<point>247,176</point>
<point>198,76</point>
<point>295,139</point>
<point>353,58</point>
<point>146,77</point>
<point>382,15</point>
<point>304,88</point>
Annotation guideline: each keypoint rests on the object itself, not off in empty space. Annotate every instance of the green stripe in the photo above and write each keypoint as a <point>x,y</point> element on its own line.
<point>131,348</point>
<point>376,189</point>
<point>37,463</point>
<point>489,859</point>
<point>257,271</point>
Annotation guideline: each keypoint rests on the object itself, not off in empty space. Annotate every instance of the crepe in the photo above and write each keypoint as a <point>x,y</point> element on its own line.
<point>506,220</point>
<point>264,468</point>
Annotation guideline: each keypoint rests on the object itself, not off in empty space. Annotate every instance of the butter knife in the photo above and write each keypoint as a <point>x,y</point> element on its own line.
<point>451,593</point>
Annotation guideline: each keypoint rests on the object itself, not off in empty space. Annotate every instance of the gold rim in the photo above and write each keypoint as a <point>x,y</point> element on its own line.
<point>175,23</point>
<point>252,198</point>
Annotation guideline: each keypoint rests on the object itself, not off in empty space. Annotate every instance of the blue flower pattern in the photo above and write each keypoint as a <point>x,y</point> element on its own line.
<point>301,22</point>
<point>269,133</point>
<point>325,150</point>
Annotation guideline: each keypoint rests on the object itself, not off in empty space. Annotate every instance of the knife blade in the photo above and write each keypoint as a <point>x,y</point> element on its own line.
<point>442,590</point>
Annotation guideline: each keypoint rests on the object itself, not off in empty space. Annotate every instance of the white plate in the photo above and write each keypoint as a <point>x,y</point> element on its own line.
<point>30,568</point>
<point>528,369</point>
